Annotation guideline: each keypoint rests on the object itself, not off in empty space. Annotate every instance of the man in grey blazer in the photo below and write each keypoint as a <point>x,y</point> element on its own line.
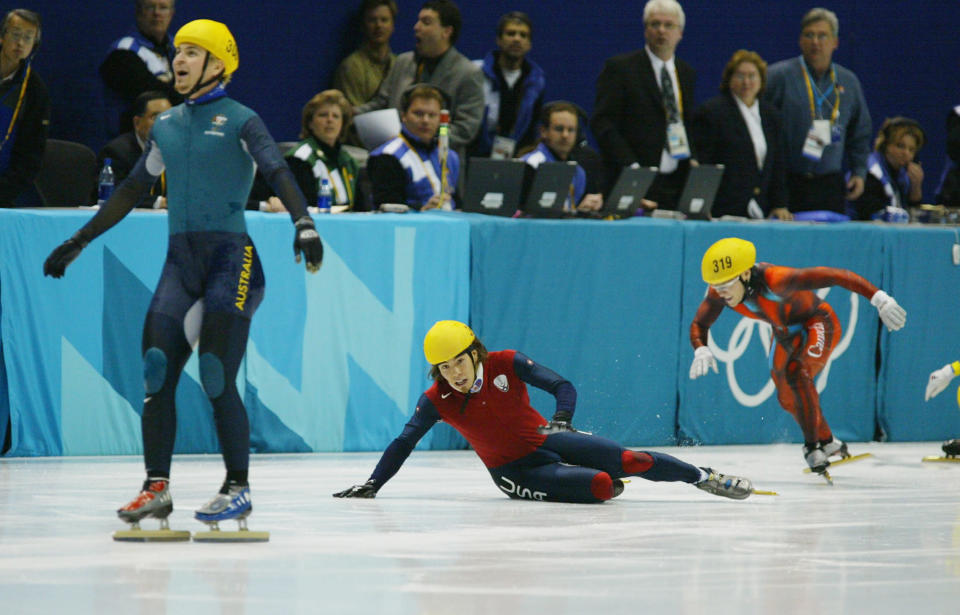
<point>436,61</point>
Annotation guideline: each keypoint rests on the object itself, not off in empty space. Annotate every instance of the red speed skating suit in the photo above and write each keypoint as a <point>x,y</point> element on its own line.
<point>805,327</point>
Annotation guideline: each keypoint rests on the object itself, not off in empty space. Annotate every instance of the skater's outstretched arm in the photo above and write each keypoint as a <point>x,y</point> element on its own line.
<point>548,380</point>
<point>785,279</point>
<point>120,203</point>
<point>939,379</point>
<point>424,417</point>
<point>274,168</point>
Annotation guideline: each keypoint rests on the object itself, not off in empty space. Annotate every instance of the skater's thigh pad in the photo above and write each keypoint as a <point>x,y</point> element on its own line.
<point>154,369</point>
<point>211,375</point>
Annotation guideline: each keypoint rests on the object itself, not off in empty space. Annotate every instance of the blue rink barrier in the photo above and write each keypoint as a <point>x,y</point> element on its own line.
<point>334,361</point>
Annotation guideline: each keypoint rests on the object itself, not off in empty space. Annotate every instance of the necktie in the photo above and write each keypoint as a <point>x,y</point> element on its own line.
<point>669,99</point>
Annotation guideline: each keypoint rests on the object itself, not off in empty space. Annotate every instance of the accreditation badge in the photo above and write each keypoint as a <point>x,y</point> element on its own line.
<point>677,143</point>
<point>503,147</point>
<point>818,137</point>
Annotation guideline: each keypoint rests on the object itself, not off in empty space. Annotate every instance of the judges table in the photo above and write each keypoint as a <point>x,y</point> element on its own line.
<point>334,361</point>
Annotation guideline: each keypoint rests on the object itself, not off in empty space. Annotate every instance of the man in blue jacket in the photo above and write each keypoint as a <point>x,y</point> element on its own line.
<point>512,91</point>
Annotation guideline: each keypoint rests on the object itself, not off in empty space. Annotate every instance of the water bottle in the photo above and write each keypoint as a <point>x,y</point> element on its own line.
<point>324,197</point>
<point>106,182</point>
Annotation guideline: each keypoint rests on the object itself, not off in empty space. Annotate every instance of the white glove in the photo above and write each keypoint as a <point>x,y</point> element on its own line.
<point>892,315</point>
<point>939,380</point>
<point>703,361</point>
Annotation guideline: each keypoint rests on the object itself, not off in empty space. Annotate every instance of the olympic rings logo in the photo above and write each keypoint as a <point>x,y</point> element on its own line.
<point>742,336</point>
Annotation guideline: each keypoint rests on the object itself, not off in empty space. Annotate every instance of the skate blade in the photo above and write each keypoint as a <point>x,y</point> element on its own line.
<point>937,458</point>
<point>235,536</point>
<point>762,492</point>
<point>844,460</point>
<point>151,535</point>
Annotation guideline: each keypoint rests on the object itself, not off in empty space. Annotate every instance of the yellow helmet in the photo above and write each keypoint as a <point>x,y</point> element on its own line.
<point>726,259</point>
<point>445,340</point>
<point>214,37</point>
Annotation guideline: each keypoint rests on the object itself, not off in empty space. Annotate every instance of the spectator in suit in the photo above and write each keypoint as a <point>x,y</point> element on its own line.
<point>137,62</point>
<point>437,62</point>
<point>894,180</point>
<point>743,133</point>
<point>644,103</point>
<point>125,150</point>
<point>362,72</point>
<point>826,122</point>
<point>24,106</point>
<point>513,91</point>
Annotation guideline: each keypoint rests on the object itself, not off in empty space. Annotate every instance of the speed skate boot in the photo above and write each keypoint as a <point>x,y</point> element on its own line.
<point>734,487</point>
<point>816,458</point>
<point>154,500</point>
<point>951,448</point>
<point>232,503</point>
<point>834,447</point>
<point>617,487</point>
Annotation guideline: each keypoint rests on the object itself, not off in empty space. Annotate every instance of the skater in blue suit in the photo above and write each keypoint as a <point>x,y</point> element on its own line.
<point>210,147</point>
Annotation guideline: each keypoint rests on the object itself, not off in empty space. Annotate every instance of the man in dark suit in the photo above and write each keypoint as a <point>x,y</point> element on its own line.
<point>125,150</point>
<point>743,133</point>
<point>644,101</point>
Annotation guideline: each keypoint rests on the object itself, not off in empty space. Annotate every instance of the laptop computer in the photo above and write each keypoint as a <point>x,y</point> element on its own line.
<point>494,186</point>
<point>624,200</point>
<point>696,201</point>
<point>549,189</point>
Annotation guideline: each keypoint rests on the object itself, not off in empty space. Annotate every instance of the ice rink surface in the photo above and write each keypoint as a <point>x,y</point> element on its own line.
<point>440,538</point>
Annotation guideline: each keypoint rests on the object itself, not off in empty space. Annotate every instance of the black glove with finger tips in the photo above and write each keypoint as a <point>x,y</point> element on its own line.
<point>307,241</point>
<point>366,490</point>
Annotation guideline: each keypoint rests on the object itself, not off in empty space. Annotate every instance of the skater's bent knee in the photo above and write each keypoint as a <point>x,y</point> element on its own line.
<point>602,486</point>
<point>211,375</point>
<point>154,369</point>
<point>635,462</point>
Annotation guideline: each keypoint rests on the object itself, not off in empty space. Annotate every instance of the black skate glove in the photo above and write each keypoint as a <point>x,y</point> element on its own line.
<point>559,422</point>
<point>63,255</point>
<point>366,490</point>
<point>307,240</point>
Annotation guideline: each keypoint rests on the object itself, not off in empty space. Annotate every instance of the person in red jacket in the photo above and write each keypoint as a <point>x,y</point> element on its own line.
<point>483,395</point>
<point>805,328</point>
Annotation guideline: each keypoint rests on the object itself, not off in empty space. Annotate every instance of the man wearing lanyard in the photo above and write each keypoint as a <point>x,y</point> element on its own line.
<point>644,104</point>
<point>24,106</point>
<point>409,169</point>
<point>825,119</point>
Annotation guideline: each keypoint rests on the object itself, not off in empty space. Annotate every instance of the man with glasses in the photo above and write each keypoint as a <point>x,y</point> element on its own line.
<point>644,106</point>
<point>805,327</point>
<point>138,62</point>
<point>24,106</point>
<point>826,122</point>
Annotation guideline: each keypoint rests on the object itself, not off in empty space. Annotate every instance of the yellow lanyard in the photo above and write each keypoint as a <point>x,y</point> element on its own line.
<point>676,79</point>
<point>16,111</point>
<point>426,171</point>
<point>344,176</point>
<point>836,101</point>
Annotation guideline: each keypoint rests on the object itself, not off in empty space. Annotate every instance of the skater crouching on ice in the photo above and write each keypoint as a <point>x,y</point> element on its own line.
<point>483,395</point>
<point>210,147</point>
<point>805,328</point>
<point>938,381</point>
